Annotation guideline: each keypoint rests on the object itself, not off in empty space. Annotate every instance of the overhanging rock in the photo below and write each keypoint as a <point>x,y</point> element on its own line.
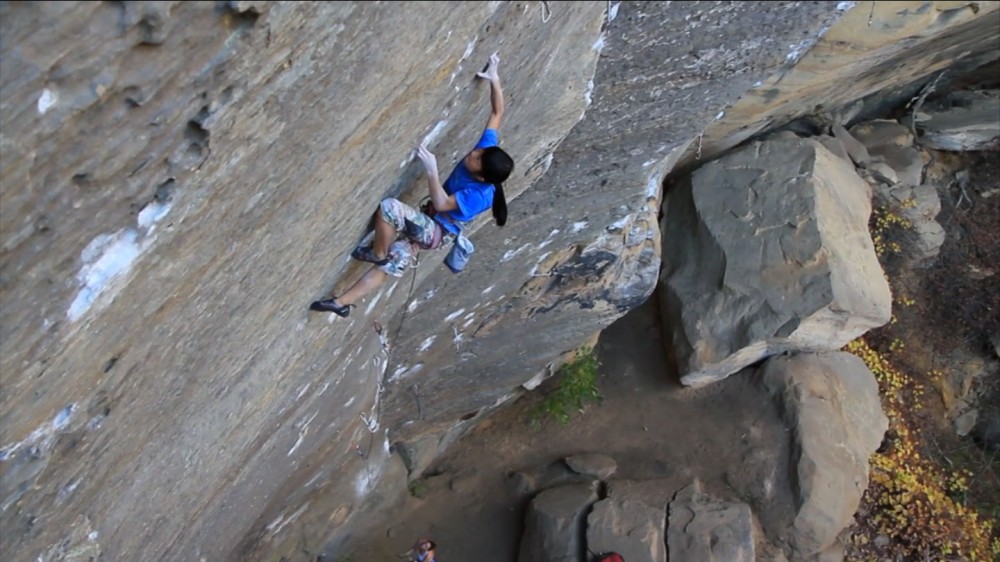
<point>181,179</point>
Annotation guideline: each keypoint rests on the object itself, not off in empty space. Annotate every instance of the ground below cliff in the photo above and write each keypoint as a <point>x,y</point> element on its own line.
<point>653,427</point>
<point>472,502</point>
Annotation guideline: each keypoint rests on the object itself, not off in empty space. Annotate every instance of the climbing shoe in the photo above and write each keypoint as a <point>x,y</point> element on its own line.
<point>365,253</point>
<point>330,305</point>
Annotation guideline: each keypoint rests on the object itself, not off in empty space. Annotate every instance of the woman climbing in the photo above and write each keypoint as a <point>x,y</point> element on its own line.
<point>475,185</point>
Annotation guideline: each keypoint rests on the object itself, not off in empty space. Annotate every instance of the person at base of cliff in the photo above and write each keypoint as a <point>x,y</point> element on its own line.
<point>475,185</point>
<point>423,551</point>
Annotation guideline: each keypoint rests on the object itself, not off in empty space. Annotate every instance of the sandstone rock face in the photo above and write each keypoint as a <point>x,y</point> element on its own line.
<point>831,402</point>
<point>704,529</point>
<point>769,251</point>
<point>555,523</point>
<point>631,528</point>
<point>180,180</point>
<point>891,48</point>
<point>962,121</point>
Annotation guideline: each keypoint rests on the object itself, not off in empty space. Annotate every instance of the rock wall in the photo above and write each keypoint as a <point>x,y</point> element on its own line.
<point>882,51</point>
<point>180,180</point>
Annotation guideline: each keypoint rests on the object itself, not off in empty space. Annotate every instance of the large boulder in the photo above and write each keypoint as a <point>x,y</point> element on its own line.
<point>768,250</point>
<point>830,401</point>
<point>554,526</point>
<point>704,529</point>
<point>629,527</point>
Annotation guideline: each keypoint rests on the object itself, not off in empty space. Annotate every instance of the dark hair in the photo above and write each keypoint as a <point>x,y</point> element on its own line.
<point>497,166</point>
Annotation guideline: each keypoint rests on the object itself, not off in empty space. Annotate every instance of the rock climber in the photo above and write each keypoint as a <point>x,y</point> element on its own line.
<point>475,185</point>
<point>423,551</point>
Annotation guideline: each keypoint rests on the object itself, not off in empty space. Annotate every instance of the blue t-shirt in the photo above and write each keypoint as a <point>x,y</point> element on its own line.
<point>471,195</point>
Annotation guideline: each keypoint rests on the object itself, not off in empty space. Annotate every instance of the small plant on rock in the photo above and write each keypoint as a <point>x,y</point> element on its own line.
<point>418,489</point>
<point>887,228</point>
<point>577,386</point>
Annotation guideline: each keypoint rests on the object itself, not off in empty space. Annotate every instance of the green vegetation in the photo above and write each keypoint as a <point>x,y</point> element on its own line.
<point>417,489</point>
<point>577,385</point>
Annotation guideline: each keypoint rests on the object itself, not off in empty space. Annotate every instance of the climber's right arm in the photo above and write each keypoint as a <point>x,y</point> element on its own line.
<point>439,197</point>
<point>491,73</point>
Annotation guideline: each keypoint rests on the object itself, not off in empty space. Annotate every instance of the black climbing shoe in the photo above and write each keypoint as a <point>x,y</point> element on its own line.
<point>330,305</point>
<point>365,253</point>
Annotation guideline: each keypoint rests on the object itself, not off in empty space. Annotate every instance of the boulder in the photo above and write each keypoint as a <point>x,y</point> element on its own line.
<point>857,151</point>
<point>962,121</point>
<point>834,145</point>
<point>655,492</point>
<point>920,205</point>
<point>767,250</point>
<point>830,401</point>
<point>631,528</point>
<point>704,529</point>
<point>554,524</point>
<point>881,132</point>
<point>906,162</point>
<point>592,464</point>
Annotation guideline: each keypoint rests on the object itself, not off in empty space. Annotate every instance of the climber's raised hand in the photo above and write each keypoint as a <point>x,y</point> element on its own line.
<point>491,72</point>
<point>428,159</point>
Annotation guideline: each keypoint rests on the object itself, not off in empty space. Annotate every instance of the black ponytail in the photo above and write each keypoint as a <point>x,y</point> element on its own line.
<point>497,166</point>
<point>499,205</point>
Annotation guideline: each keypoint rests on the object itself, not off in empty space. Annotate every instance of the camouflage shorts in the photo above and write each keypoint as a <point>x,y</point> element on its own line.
<point>416,230</point>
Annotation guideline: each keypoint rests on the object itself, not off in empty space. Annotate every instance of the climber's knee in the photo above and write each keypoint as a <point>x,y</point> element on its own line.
<point>395,212</point>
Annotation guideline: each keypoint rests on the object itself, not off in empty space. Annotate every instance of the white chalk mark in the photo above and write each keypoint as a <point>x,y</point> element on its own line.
<point>511,253</point>
<point>302,391</point>
<point>110,256</point>
<point>427,343</point>
<point>275,527</point>
<point>371,306</point>
<point>469,48</point>
<point>117,253</point>
<point>303,426</point>
<point>152,213</point>
<point>578,226</point>
<point>454,315</point>
<point>435,132</point>
<point>488,289</point>
<point>402,373</point>
<point>46,101</point>
<point>599,44</point>
<point>45,433</point>
<point>613,11</point>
